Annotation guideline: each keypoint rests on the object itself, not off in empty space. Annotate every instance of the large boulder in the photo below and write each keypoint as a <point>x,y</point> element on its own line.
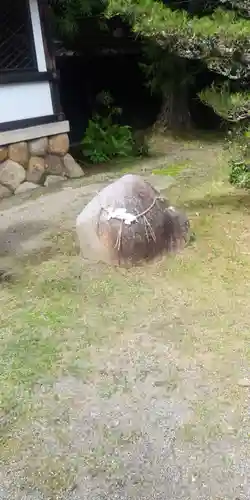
<point>11,174</point>
<point>54,165</point>
<point>59,144</point>
<point>38,147</point>
<point>3,153</point>
<point>127,222</point>
<point>53,179</point>
<point>19,153</point>
<point>71,168</point>
<point>25,187</point>
<point>4,192</point>
<point>36,170</point>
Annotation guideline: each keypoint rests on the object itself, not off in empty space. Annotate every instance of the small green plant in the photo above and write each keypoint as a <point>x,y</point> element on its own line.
<point>240,159</point>
<point>104,138</point>
<point>240,174</point>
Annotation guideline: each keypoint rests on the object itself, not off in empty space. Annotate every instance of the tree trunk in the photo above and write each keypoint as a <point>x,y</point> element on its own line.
<point>174,114</point>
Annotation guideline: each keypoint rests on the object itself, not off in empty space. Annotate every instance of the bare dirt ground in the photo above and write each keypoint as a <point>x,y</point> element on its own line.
<point>119,384</point>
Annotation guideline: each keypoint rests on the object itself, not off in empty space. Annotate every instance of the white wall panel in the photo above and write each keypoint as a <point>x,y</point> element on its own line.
<point>19,101</point>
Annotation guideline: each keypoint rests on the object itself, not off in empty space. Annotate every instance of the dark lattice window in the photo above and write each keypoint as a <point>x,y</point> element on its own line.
<point>16,40</point>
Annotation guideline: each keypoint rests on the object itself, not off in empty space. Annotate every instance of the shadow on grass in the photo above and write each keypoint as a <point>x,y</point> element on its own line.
<point>16,268</point>
<point>12,237</point>
<point>195,135</point>
<point>231,201</point>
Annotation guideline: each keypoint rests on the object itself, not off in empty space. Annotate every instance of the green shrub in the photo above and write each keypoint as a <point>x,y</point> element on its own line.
<point>240,174</point>
<point>105,139</point>
<point>239,163</point>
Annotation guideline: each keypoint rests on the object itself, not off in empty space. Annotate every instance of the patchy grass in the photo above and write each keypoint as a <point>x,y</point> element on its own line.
<point>172,170</point>
<point>106,375</point>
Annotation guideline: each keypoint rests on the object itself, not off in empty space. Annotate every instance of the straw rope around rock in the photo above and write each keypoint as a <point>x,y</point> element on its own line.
<point>147,225</point>
<point>127,222</point>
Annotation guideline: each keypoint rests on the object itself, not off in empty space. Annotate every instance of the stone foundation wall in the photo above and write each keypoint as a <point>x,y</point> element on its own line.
<point>39,162</point>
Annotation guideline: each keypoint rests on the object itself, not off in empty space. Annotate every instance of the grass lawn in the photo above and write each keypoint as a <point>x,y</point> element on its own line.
<point>129,384</point>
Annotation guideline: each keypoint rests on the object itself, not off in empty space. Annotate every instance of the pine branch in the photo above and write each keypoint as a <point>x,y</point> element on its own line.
<point>222,39</point>
<point>233,107</point>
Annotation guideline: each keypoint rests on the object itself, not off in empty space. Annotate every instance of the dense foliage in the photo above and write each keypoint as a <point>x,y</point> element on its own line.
<point>106,139</point>
<point>217,34</point>
<point>68,14</point>
<point>214,33</point>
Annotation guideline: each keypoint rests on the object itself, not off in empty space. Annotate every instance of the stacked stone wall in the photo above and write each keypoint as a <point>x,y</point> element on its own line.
<point>38,162</point>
